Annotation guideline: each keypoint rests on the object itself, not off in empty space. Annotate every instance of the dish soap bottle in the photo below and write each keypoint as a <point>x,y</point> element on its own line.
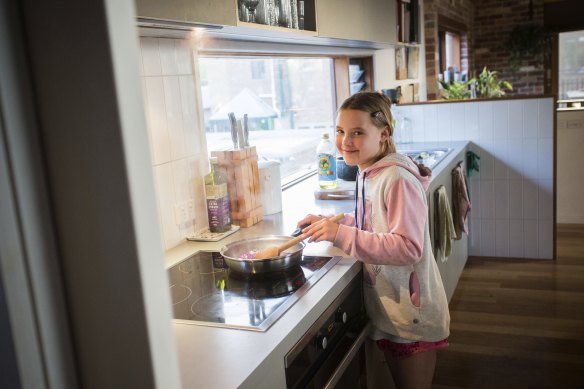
<point>217,195</point>
<point>327,163</point>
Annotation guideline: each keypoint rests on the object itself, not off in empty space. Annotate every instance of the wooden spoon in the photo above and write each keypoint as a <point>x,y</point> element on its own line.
<point>274,251</point>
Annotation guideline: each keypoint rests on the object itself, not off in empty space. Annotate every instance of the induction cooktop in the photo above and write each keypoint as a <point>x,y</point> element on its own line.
<point>205,292</point>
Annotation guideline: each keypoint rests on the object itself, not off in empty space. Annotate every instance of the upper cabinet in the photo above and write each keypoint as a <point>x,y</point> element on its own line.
<point>372,21</point>
<point>295,16</point>
<point>366,20</point>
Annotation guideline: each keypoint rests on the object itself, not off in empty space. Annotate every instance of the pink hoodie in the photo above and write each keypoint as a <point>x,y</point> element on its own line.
<point>404,292</point>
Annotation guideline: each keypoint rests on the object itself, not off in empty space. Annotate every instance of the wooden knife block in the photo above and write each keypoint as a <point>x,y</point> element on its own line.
<point>241,169</point>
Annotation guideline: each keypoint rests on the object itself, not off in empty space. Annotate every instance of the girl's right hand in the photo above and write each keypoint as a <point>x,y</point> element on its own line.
<point>309,219</point>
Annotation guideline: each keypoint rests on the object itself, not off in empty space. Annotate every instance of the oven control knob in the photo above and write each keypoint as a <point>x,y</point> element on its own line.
<point>321,341</point>
<point>341,316</point>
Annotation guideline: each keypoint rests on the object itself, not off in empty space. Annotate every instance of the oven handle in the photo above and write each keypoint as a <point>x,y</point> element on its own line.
<point>338,373</point>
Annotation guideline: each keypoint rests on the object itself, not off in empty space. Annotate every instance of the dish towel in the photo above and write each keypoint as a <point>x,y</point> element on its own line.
<point>472,161</point>
<point>444,230</point>
<point>460,200</point>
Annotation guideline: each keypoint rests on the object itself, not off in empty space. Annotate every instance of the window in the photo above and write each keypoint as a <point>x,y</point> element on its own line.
<point>571,65</point>
<point>449,44</point>
<point>288,108</point>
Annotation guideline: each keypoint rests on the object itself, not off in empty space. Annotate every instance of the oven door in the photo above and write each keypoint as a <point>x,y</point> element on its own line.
<point>332,352</point>
<point>350,371</point>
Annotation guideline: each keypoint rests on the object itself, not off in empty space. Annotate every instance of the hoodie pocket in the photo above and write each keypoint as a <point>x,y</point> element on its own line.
<point>414,289</point>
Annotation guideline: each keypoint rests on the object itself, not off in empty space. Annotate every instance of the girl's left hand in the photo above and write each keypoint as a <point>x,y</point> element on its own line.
<point>323,229</point>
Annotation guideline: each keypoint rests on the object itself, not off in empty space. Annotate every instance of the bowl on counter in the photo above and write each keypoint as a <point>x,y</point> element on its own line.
<point>346,172</point>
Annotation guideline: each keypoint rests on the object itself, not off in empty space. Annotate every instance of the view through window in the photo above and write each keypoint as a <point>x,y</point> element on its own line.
<point>571,65</point>
<point>289,103</point>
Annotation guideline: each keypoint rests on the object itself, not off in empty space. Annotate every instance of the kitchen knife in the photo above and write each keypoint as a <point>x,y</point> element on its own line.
<point>245,131</point>
<point>240,135</point>
<point>234,136</point>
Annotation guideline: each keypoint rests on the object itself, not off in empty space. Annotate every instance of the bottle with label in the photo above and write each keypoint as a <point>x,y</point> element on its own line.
<point>217,195</point>
<point>327,163</point>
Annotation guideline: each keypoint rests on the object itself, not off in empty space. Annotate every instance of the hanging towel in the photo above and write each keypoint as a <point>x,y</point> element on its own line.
<point>472,162</point>
<point>460,200</point>
<point>443,226</point>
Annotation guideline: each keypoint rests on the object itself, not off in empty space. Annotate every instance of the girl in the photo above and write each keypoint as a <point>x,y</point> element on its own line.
<point>404,295</point>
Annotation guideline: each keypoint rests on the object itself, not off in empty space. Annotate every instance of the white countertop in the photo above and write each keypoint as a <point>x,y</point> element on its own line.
<point>212,357</point>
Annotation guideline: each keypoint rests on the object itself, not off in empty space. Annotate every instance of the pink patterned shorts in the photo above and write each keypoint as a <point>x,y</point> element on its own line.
<point>402,350</point>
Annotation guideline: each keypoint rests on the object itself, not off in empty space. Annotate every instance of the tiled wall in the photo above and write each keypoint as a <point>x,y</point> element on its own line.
<point>512,195</point>
<point>178,148</point>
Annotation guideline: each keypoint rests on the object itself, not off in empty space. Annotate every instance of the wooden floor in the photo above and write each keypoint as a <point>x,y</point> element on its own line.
<point>518,323</point>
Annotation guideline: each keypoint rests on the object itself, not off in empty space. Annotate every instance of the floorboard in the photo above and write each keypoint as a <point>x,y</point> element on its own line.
<point>518,323</point>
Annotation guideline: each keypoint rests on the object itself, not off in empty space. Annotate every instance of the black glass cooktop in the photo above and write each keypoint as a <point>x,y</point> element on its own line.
<point>204,291</point>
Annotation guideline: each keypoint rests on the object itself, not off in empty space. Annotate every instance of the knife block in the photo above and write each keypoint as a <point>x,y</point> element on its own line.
<point>243,181</point>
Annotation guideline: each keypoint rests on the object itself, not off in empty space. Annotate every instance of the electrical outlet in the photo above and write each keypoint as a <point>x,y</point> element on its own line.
<point>181,213</point>
<point>191,208</point>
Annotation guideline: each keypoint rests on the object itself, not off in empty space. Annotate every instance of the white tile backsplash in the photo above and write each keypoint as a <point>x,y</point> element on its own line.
<point>530,200</point>
<point>545,119</point>
<point>150,57</point>
<point>156,119</point>
<point>512,195</point>
<point>179,157</point>
<point>501,199</point>
<point>502,238</point>
<point>444,123</point>
<point>431,123</point>
<point>515,199</point>
<point>530,118</point>
<point>486,129</point>
<point>530,239</point>
<point>487,198</point>
<point>488,241</point>
<point>174,117</point>
<point>516,238</point>
<point>471,121</point>
<point>457,120</point>
<point>500,120</point>
<point>515,119</point>
<point>168,57</point>
<point>545,160</point>
<point>530,158</point>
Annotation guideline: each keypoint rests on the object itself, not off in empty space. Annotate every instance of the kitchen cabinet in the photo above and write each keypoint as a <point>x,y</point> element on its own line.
<point>366,20</point>
<point>216,12</point>
<point>450,269</point>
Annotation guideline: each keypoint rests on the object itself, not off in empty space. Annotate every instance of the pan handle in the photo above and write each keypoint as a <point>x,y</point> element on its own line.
<point>298,231</point>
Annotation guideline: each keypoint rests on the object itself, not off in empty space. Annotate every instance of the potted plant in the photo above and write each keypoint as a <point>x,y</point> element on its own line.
<point>487,84</point>
<point>456,90</point>
<point>527,41</point>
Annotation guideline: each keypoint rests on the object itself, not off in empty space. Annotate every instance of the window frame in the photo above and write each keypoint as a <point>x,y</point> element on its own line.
<point>253,49</point>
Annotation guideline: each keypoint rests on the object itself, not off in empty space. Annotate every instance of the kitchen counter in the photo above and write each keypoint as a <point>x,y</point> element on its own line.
<point>212,357</point>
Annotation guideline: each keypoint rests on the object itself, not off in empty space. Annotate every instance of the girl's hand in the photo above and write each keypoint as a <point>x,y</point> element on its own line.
<point>309,219</point>
<point>322,230</point>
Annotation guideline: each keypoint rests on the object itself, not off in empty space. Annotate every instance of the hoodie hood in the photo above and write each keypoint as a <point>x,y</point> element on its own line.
<point>421,172</point>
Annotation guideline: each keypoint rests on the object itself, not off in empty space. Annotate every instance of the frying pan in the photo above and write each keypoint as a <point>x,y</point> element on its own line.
<point>233,251</point>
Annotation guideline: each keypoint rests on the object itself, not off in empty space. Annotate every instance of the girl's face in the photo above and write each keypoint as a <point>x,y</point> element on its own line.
<point>358,140</point>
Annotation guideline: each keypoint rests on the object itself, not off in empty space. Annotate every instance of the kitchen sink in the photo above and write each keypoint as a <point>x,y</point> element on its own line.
<point>428,157</point>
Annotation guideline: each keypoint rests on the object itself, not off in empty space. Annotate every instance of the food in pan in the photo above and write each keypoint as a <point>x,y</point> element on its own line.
<point>250,254</point>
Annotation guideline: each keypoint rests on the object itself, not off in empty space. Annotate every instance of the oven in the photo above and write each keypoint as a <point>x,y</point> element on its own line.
<point>331,354</point>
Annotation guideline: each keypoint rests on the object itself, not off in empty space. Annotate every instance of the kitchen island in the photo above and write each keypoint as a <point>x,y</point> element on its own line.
<point>212,357</point>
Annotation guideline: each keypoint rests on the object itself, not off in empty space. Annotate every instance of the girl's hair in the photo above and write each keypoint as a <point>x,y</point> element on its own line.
<point>378,106</point>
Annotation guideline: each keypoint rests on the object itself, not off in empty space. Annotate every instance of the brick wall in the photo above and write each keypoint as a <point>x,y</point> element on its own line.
<point>490,22</point>
<point>461,11</point>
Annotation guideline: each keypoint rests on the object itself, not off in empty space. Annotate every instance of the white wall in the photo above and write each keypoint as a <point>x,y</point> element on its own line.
<point>512,195</point>
<point>178,147</point>
<point>570,184</point>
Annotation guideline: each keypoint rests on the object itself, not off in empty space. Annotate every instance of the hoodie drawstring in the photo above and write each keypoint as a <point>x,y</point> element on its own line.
<point>362,202</point>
